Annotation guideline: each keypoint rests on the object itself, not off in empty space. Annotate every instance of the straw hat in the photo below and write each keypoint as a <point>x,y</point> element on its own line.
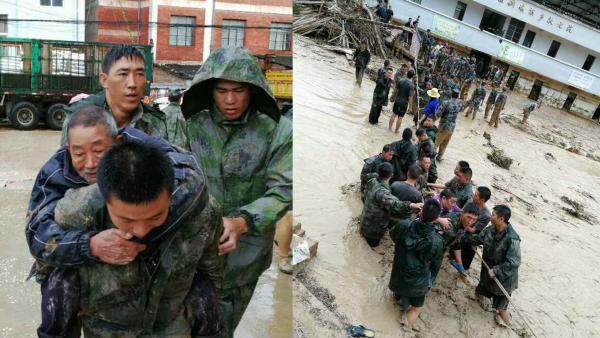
<point>433,92</point>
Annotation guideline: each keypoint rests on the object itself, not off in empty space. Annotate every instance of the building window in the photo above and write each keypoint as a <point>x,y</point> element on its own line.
<point>587,64</point>
<point>459,11</point>
<point>492,22</point>
<point>280,36</point>
<point>515,28</point>
<point>528,41</point>
<point>232,34</point>
<point>181,32</point>
<point>553,48</point>
<point>3,23</point>
<point>55,3</point>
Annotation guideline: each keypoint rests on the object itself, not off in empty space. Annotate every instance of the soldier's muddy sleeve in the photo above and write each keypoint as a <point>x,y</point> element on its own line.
<point>436,260</point>
<point>271,206</point>
<point>211,264</point>
<point>511,263</point>
<point>48,241</point>
<point>391,202</point>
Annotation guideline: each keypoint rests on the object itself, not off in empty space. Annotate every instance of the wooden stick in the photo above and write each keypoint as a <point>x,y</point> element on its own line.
<point>505,292</point>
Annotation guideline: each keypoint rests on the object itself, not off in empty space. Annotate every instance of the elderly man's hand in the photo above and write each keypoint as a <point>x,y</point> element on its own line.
<point>233,229</point>
<point>113,246</point>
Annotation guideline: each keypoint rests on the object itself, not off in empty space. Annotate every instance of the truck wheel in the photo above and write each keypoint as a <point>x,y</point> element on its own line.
<point>24,116</point>
<point>56,116</point>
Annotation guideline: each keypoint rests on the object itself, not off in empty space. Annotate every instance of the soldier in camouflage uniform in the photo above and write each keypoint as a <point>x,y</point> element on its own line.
<point>502,253</point>
<point>440,57</point>
<point>123,77</point>
<point>427,147</point>
<point>149,295</point>
<point>476,99</point>
<point>468,75</point>
<point>489,103</point>
<point>498,107</point>
<point>447,113</point>
<point>379,203</point>
<point>418,257</point>
<point>528,108</point>
<point>245,147</point>
<point>175,121</point>
<point>372,165</point>
<point>446,88</point>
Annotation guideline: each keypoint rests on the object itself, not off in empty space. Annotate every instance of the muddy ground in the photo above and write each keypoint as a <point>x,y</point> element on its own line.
<point>22,153</point>
<point>552,187</point>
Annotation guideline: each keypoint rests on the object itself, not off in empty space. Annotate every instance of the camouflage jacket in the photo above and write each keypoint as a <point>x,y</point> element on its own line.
<point>502,252</point>
<point>371,165</point>
<point>492,97</point>
<point>500,101</point>
<point>248,162</point>
<point>380,203</point>
<point>446,90</point>
<point>478,96</point>
<point>418,255</point>
<point>432,155</point>
<point>448,112</point>
<point>463,192</point>
<point>405,154</point>
<point>381,91</point>
<point>148,119</point>
<point>176,125</point>
<point>361,58</point>
<point>146,296</point>
<point>52,245</point>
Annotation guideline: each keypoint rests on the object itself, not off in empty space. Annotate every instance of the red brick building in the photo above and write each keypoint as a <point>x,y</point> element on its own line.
<point>262,26</point>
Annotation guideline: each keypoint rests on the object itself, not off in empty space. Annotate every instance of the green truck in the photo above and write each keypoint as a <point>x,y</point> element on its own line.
<point>38,78</point>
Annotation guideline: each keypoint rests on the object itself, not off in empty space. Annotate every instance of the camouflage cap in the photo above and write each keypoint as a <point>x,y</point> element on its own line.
<point>233,64</point>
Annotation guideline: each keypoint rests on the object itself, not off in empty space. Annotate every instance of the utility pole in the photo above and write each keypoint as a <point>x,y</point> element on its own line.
<point>208,31</point>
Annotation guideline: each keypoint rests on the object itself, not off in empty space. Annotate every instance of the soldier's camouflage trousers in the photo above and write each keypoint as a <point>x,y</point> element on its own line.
<point>60,305</point>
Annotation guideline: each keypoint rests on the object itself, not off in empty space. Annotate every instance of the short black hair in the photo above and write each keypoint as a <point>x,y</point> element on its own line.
<point>414,171</point>
<point>410,74</point>
<point>484,193</point>
<point>455,94</point>
<point>407,134</point>
<point>420,132</point>
<point>385,170</point>
<point>175,95</point>
<point>470,208</point>
<point>424,154</point>
<point>503,211</point>
<point>467,172</point>
<point>90,116</point>
<point>386,148</point>
<point>135,173</point>
<point>463,164</point>
<point>431,210</point>
<point>116,52</point>
<point>386,63</point>
<point>447,193</point>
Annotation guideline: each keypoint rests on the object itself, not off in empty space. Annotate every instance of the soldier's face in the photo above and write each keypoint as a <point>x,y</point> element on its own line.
<point>428,122</point>
<point>425,163</point>
<point>86,147</point>
<point>467,219</point>
<point>387,156</point>
<point>232,98</point>
<point>139,219</point>
<point>462,178</point>
<point>124,84</point>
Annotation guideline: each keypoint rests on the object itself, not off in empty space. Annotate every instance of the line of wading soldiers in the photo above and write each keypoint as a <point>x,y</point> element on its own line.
<point>401,197</point>
<point>150,225</point>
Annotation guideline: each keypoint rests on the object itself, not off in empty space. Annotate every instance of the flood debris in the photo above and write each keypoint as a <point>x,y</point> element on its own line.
<point>500,159</point>
<point>576,210</point>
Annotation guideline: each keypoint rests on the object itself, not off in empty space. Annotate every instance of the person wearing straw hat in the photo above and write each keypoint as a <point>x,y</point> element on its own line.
<point>502,253</point>
<point>432,105</point>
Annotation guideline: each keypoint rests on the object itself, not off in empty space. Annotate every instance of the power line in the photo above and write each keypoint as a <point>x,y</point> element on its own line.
<point>148,23</point>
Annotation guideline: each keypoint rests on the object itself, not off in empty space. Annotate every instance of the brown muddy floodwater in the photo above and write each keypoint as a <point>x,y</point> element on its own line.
<point>347,281</point>
<point>22,153</point>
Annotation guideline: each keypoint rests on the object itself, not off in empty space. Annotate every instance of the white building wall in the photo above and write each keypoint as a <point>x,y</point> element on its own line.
<point>473,14</point>
<point>471,36</point>
<point>446,7</point>
<point>32,10</point>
